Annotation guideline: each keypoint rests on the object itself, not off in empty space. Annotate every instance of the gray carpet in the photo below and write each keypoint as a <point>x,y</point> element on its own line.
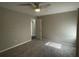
<point>38,48</point>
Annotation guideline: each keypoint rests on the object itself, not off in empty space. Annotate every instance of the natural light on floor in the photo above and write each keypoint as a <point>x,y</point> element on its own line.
<point>53,44</point>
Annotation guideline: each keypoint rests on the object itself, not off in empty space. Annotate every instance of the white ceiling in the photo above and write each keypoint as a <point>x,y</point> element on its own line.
<point>55,7</point>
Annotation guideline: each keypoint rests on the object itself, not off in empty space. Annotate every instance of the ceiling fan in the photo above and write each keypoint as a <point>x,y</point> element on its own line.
<point>37,6</point>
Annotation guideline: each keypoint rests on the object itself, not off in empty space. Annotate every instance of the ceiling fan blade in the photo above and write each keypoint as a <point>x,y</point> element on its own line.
<point>33,5</point>
<point>45,6</point>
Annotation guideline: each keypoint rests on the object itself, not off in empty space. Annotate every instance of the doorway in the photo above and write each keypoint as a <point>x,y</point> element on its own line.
<point>33,28</point>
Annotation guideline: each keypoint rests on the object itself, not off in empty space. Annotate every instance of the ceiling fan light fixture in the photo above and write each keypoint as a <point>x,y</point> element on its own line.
<point>37,10</point>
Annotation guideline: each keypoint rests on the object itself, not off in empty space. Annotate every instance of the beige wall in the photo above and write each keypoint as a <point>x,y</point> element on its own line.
<point>60,27</point>
<point>15,28</point>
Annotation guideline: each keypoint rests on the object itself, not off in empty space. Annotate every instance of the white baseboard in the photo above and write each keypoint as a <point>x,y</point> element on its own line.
<point>14,46</point>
